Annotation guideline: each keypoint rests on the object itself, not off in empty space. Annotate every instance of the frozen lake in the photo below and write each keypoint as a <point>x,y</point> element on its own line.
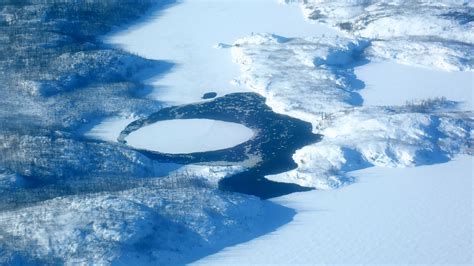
<point>390,83</point>
<point>189,135</point>
<point>419,215</point>
<point>189,32</point>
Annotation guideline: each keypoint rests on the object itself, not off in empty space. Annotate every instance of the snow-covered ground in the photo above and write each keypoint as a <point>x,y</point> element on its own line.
<point>169,221</point>
<point>437,34</point>
<point>420,215</point>
<point>415,205</point>
<point>189,135</point>
<point>313,79</point>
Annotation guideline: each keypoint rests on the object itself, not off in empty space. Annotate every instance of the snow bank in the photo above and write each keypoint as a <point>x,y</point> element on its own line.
<point>189,135</point>
<point>378,137</point>
<point>300,76</point>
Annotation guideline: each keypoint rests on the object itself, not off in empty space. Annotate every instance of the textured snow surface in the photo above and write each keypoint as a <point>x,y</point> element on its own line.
<point>381,137</point>
<point>437,34</point>
<point>166,221</point>
<point>292,72</point>
<point>313,79</point>
<point>189,135</point>
<point>419,215</point>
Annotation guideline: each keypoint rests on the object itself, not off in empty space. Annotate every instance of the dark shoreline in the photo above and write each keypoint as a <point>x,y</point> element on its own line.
<point>276,140</point>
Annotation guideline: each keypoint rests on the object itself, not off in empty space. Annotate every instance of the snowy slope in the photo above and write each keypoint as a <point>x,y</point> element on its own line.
<point>394,213</point>
<point>168,221</point>
<point>66,199</point>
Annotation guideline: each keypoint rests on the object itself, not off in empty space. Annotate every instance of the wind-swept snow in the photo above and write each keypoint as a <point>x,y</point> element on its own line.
<point>106,204</point>
<point>379,137</point>
<point>189,135</point>
<point>417,214</point>
<point>301,77</point>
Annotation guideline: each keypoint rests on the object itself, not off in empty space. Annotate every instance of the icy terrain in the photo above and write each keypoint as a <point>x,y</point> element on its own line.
<point>69,199</point>
<point>421,116</point>
<point>313,79</point>
<point>398,216</point>
<point>71,193</point>
<point>438,34</point>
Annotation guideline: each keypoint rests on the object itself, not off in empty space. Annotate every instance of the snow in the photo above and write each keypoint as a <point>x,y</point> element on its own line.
<point>380,137</point>
<point>419,215</point>
<point>188,32</point>
<point>189,135</point>
<point>170,221</point>
<point>435,34</point>
<point>109,128</point>
<point>419,208</point>
<point>300,77</point>
<point>390,83</point>
<point>410,198</point>
<point>314,79</point>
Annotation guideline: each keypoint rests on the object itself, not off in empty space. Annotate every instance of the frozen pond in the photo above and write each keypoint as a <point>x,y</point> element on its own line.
<point>390,83</point>
<point>189,135</point>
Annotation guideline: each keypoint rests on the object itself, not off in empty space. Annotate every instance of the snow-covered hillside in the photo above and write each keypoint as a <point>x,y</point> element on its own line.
<point>68,199</point>
<point>169,221</point>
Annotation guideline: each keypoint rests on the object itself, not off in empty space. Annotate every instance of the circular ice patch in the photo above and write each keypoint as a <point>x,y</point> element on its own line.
<point>179,136</point>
